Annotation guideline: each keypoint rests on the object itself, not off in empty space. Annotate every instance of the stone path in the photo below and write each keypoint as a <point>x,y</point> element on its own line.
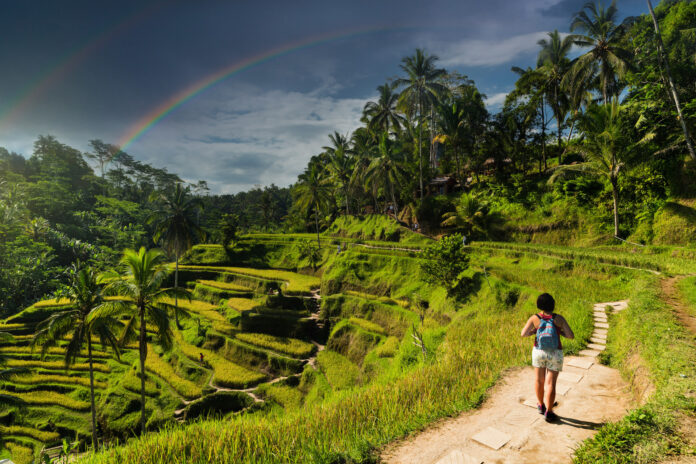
<point>508,429</point>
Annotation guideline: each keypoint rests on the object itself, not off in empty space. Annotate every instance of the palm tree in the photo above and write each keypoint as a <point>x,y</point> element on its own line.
<point>554,63</point>
<point>139,295</point>
<point>451,127</point>
<point>606,148</point>
<point>421,89</point>
<point>606,58</point>
<point>81,321</point>
<point>387,170</point>
<point>338,142</point>
<point>383,113</point>
<point>312,193</point>
<point>472,217</point>
<point>176,225</point>
<point>341,167</point>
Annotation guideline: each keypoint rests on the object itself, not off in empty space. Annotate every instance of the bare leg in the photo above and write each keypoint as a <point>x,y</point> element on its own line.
<point>540,374</point>
<point>550,390</point>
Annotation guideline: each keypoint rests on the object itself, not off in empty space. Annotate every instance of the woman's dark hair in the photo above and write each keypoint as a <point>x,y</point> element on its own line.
<point>546,303</point>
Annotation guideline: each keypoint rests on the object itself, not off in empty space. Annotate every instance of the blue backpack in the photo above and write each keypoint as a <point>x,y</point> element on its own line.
<point>547,335</point>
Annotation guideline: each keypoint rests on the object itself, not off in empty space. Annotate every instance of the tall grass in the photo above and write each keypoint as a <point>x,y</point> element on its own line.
<point>36,379</point>
<point>39,435</point>
<point>57,365</point>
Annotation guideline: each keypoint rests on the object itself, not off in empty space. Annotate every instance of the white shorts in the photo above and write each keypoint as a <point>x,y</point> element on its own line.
<point>548,359</point>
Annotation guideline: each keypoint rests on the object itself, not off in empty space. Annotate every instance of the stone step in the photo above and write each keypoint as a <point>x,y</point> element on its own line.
<point>598,340</point>
<point>594,346</point>
<point>492,438</point>
<point>601,325</point>
<point>569,377</point>
<point>457,457</point>
<point>590,353</point>
<point>582,363</point>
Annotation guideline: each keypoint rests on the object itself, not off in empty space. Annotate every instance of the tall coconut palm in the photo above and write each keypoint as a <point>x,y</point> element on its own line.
<point>607,59</point>
<point>338,142</point>
<point>362,149</point>
<point>554,64</point>
<point>383,113</point>
<point>451,122</point>
<point>81,321</point>
<point>140,295</point>
<point>177,227</point>
<point>387,170</point>
<point>312,192</point>
<point>421,90</point>
<point>606,148</point>
<point>341,167</point>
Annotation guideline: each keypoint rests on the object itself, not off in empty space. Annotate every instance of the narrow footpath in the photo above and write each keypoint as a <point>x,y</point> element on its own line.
<point>508,429</point>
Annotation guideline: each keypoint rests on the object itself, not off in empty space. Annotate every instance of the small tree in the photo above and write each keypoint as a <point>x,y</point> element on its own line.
<point>310,251</point>
<point>444,262</point>
<point>228,227</point>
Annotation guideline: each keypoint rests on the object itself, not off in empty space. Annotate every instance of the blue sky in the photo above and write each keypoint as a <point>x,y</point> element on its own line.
<point>259,126</point>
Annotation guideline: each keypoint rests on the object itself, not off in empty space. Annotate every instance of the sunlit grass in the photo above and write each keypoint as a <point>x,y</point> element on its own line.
<point>49,398</point>
<point>163,369</point>
<point>284,345</point>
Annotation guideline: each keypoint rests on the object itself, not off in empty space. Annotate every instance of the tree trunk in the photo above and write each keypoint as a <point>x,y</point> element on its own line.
<point>420,144</point>
<point>316,223</point>
<point>673,90</point>
<point>91,392</point>
<point>615,195</point>
<point>143,356</point>
<point>543,134</point>
<point>396,207</point>
<point>431,146</point>
<point>176,292</point>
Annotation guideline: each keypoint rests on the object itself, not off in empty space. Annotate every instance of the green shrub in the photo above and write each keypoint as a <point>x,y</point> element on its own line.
<point>206,255</point>
<point>388,348</point>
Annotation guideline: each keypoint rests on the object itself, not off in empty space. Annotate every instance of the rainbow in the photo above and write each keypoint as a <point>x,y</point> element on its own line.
<point>175,101</point>
<point>68,62</point>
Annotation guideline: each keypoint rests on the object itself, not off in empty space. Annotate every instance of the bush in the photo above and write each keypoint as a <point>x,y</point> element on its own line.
<point>506,294</point>
<point>444,262</point>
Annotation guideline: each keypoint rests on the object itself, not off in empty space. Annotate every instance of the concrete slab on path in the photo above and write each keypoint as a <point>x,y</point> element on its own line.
<point>457,457</point>
<point>582,363</point>
<point>521,417</point>
<point>602,336</point>
<point>569,377</point>
<point>601,325</point>
<point>601,331</point>
<point>598,340</point>
<point>492,438</point>
<point>595,346</point>
<point>590,353</point>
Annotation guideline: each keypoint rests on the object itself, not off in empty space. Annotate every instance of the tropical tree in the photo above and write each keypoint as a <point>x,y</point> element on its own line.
<point>606,148</point>
<point>140,296</point>
<point>421,89</point>
<point>607,59</point>
<point>80,323</point>
<point>177,227</point>
<point>387,170</point>
<point>553,62</point>
<point>310,251</point>
<point>341,167</point>
<point>472,217</point>
<point>312,192</point>
<point>451,122</point>
<point>383,114</point>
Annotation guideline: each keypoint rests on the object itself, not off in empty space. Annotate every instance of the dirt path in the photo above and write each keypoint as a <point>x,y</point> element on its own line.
<point>672,296</point>
<point>508,428</point>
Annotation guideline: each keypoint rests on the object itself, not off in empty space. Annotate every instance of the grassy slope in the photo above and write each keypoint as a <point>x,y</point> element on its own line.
<point>348,426</point>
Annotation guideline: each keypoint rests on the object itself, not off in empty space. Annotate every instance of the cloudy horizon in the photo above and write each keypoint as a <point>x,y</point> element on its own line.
<point>99,70</point>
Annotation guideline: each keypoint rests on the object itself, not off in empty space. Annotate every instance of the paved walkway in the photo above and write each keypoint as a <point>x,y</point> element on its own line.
<point>508,428</point>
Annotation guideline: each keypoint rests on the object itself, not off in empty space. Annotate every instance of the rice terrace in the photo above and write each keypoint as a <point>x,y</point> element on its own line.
<point>333,232</point>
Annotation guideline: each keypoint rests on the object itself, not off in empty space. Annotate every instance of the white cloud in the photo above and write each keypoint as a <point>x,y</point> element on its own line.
<point>478,52</point>
<point>496,100</point>
<point>238,139</point>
